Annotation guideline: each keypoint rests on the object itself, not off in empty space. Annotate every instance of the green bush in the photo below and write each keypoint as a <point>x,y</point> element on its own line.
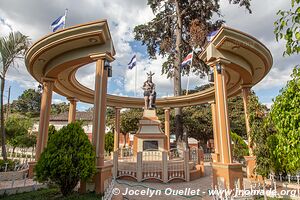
<point>109,142</point>
<point>240,148</point>
<point>51,131</point>
<point>68,158</point>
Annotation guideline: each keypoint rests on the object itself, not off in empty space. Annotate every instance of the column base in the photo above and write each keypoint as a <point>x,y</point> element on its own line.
<point>250,166</point>
<point>31,164</point>
<point>215,157</point>
<point>103,178</point>
<point>227,175</point>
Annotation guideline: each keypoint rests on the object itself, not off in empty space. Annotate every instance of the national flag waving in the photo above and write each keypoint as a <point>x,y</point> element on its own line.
<point>188,59</point>
<point>211,35</point>
<point>132,62</point>
<point>59,22</point>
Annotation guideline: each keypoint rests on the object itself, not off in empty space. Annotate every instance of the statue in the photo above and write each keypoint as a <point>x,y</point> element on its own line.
<point>149,92</point>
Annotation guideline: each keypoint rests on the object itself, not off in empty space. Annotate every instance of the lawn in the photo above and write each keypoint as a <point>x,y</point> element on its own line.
<point>51,194</point>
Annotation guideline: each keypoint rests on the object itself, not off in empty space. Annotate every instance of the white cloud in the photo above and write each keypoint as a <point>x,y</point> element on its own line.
<point>34,17</point>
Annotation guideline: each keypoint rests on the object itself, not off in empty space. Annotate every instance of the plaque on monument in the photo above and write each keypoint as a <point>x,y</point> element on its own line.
<point>150,145</point>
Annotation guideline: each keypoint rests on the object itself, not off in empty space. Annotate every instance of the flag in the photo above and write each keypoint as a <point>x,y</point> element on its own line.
<point>132,62</point>
<point>58,23</point>
<point>211,35</point>
<point>188,59</point>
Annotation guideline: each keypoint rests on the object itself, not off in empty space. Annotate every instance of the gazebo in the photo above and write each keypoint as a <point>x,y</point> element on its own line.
<point>238,60</point>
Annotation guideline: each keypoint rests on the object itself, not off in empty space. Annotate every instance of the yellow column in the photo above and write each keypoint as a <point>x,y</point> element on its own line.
<point>223,127</point>
<point>246,93</point>
<point>42,137</point>
<point>117,128</point>
<point>167,127</point>
<point>225,173</point>
<point>99,111</point>
<point>104,172</point>
<point>215,131</point>
<point>72,110</point>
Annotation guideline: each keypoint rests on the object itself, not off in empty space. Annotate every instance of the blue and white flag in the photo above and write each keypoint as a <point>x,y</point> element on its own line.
<point>211,35</point>
<point>58,23</point>
<point>132,62</point>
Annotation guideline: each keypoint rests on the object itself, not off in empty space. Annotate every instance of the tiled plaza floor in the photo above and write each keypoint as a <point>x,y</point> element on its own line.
<point>203,184</point>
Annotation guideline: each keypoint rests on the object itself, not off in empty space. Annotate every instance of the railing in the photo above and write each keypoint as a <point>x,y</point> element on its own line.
<point>288,178</point>
<point>176,153</point>
<point>154,164</point>
<point>194,151</point>
<point>125,164</point>
<point>23,155</point>
<point>208,157</point>
<point>152,155</point>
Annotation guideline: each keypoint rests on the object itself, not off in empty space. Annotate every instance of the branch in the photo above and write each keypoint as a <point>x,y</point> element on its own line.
<point>156,22</point>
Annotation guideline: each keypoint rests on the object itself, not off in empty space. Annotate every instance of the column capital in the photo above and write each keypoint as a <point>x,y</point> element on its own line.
<point>118,108</point>
<point>72,99</point>
<point>167,108</point>
<point>246,86</point>
<point>221,61</point>
<point>211,102</point>
<point>102,56</point>
<point>48,79</point>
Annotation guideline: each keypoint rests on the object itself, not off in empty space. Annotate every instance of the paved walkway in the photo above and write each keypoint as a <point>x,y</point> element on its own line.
<point>162,191</point>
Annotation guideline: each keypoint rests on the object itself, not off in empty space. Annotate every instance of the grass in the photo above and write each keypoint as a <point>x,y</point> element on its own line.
<point>50,194</point>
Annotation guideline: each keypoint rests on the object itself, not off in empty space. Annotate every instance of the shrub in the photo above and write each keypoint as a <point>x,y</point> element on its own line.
<point>109,142</point>
<point>240,148</point>
<point>68,158</point>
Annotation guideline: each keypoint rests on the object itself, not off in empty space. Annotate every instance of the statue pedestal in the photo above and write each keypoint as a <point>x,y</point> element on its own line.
<point>149,136</point>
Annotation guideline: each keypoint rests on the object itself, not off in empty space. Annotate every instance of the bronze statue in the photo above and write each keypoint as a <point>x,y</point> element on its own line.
<point>149,92</point>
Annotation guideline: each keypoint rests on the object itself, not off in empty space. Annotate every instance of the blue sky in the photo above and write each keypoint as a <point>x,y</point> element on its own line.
<point>33,18</point>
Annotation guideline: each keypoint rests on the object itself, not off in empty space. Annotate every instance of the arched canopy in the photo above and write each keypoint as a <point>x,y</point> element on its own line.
<point>60,54</point>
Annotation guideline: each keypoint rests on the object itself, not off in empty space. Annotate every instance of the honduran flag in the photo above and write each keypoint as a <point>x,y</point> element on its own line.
<point>211,35</point>
<point>58,23</point>
<point>132,62</point>
<point>188,59</point>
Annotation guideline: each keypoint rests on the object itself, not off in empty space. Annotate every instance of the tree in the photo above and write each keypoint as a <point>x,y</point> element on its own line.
<point>236,115</point>
<point>16,128</point>
<point>239,147</point>
<point>110,118</point>
<point>68,158</point>
<point>261,130</point>
<point>28,103</point>
<point>198,122</point>
<point>177,28</point>
<point>109,142</point>
<point>59,108</point>
<point>287,28</point>
<point>12,47</point>
<point>130,119</point>
<point>285,115</point>
<point>51,131</point>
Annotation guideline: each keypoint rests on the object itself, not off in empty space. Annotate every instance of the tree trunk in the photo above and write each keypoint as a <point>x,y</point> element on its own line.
<point>2,129</point>
<point>177,73</point>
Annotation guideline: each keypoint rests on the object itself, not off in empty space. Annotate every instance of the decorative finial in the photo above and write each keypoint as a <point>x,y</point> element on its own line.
<point>150,74</point>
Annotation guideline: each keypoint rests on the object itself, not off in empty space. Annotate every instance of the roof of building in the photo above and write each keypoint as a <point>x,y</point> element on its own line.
<point>85,116</point>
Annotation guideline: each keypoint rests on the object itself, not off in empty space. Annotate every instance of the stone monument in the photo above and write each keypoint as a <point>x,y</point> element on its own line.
<point>149,136</point>
<point>149,92</point>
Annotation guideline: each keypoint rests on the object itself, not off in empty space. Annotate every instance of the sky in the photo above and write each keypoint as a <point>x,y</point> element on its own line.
<point>33,18</point>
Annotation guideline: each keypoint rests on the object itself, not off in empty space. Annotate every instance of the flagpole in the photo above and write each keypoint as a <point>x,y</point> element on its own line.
<point>188,81</point>
<point>135,80</point>
<point>66,11</point>
<point>187,85</point>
